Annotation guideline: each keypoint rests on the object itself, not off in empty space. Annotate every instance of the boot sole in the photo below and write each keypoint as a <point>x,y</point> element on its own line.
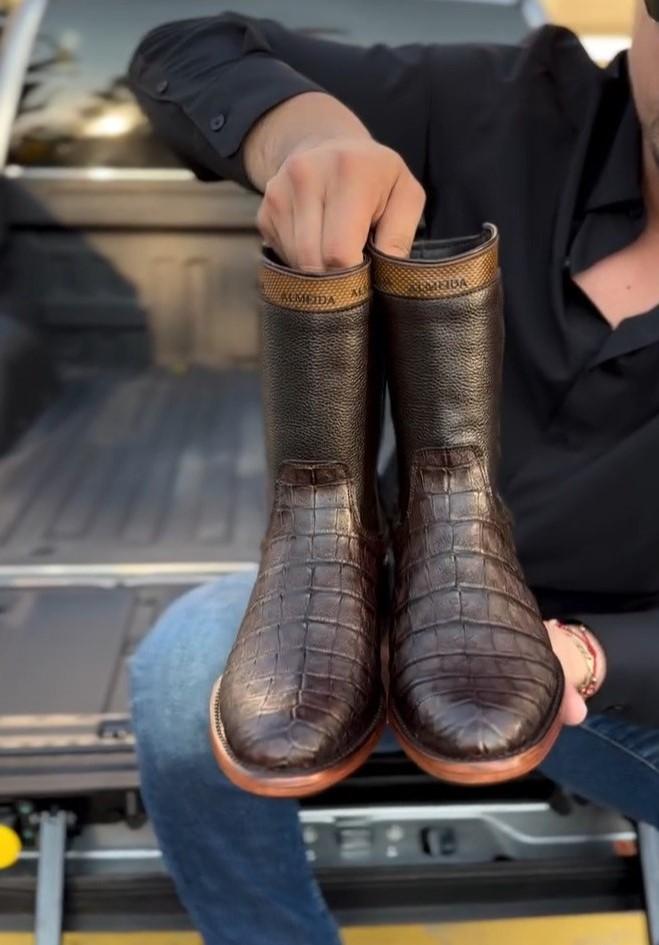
<point>267,783</point>
<point>471,773</point>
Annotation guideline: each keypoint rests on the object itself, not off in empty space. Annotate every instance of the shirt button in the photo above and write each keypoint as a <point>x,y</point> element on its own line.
<point>162,87</point>
<point>217,123</point>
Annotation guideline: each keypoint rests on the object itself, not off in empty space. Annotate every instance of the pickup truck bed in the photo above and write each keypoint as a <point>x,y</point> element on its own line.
<point>131,487</point>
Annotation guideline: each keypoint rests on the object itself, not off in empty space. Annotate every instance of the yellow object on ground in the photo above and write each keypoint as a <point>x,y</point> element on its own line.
<point>10,847</point>
<point>624,928</point>
<point>615,929</point>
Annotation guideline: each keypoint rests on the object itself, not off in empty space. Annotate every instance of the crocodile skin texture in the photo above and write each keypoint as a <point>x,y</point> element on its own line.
<point>302,687</point>
<point>472,674</point>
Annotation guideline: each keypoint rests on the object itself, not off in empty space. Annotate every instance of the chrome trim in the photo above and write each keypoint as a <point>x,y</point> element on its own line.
<point>94,174</point>
<point>102,855</point>
<point>388,812</point>
<point>49,899</point>
<point>485,813</point>
<point>15,51</point>
<point>119,842</point>
<point>64,733</point>
<point>114,575</point>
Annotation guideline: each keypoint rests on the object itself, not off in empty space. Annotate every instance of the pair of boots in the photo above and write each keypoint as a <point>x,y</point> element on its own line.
<point>474,689</point>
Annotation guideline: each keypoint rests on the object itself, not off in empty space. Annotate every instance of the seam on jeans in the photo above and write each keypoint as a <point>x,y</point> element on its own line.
<point>628,751</point>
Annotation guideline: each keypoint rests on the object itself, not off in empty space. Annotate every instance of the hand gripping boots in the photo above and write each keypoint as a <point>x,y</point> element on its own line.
<point>300,704</point>
<point>475,689</point>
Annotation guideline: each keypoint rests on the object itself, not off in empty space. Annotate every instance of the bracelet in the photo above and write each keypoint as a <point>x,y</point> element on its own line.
<point>584,644</point>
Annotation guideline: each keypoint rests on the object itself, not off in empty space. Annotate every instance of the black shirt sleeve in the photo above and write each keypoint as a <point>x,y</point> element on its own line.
<point>203,83</point>
<point>631,644</point>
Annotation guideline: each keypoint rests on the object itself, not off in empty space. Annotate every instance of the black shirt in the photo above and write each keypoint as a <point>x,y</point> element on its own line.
<point>539,140</point>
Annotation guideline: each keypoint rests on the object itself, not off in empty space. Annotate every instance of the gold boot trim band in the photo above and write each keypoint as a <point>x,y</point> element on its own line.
<point>439,278</point>
<point>306,292</point>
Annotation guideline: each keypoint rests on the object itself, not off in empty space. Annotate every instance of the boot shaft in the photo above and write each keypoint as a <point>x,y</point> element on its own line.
<point>442,311</point>
<point>322,372</point>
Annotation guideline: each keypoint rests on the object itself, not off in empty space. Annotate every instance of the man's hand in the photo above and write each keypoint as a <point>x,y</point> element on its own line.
<point>327,183</point>
<point>574,709</point>
<point>319,207</point>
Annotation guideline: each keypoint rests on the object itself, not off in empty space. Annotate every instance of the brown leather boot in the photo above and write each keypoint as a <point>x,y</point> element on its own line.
<point>475,689</point>
<point>300,704</point>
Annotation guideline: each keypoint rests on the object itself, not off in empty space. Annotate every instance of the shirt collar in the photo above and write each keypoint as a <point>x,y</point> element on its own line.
<point>619,179</point>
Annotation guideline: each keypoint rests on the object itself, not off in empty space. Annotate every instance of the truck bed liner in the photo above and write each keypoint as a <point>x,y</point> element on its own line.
<point>135,467</point>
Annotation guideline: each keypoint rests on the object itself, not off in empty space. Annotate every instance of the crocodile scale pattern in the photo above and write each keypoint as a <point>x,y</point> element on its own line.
<point>302,687</point>
<point>473,675</point>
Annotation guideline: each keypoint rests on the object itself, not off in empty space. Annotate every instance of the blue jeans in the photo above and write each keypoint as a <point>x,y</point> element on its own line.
<point>238,861</point>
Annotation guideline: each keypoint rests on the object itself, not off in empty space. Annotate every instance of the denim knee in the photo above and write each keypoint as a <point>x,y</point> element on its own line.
<point>176,665</point>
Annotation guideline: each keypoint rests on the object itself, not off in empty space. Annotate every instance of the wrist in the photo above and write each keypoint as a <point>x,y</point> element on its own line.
<point>298,124</point>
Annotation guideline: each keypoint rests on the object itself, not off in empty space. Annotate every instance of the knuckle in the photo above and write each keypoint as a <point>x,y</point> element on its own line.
<point>336,255</point>
<point>387,152</point>
<point>346,161</point>
<point>308,253</point>
<point>417,190</point>
<point>262,214</point>
<point>398,166</point>
<point>299,170</point>
<point>263,223</point>
<point>273,196</point>
<point>398,244</point>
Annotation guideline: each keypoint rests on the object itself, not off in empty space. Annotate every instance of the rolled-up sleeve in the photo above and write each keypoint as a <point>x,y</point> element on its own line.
<point>204,83</point>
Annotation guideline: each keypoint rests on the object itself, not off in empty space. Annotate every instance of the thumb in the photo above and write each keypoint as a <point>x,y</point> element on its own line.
<point>573,710</point>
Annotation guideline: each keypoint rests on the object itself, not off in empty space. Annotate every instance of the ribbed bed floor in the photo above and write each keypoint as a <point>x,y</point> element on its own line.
<point>135,468</point>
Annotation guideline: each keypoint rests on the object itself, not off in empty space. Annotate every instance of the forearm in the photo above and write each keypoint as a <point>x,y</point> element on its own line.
<point>205,84</point>
<point>302,121</point>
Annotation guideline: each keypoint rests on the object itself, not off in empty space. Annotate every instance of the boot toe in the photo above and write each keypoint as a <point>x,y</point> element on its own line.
<point>465,726</point>
<point>287,737</point>
<point>491,700</point>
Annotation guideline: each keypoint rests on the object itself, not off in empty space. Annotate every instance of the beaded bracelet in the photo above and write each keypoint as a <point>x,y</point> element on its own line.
<point>584,644</point>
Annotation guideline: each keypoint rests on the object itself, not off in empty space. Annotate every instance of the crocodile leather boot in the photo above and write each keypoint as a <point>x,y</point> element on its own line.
<point>301,702</point>
<point>475,689</point>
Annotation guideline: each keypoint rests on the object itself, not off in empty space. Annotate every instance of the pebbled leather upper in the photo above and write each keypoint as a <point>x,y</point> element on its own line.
<point>472,673</point>
<point>323,383</point>
<point>444,370</point>
<point>302,684</point>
